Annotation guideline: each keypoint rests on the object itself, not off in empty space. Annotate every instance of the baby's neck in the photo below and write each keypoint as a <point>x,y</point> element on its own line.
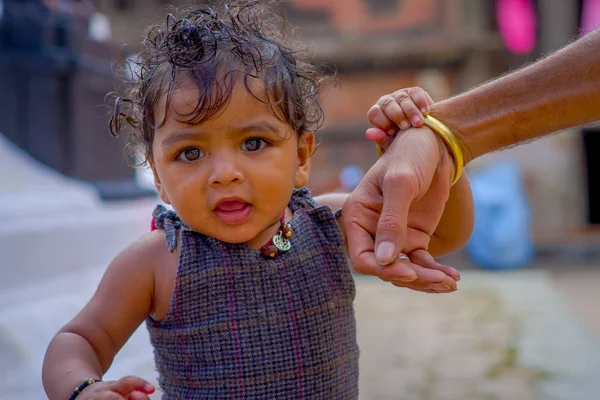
<point>267,234</point>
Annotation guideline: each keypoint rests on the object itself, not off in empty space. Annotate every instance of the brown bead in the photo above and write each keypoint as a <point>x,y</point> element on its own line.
<point>287,231</point>
<point>269,251</point>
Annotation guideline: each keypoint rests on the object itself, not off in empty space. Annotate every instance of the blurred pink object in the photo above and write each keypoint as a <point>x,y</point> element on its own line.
<point>517,24</point>
<point>590,16</point>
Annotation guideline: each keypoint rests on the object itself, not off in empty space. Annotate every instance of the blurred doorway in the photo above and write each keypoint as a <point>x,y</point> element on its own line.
<point>591,151</point>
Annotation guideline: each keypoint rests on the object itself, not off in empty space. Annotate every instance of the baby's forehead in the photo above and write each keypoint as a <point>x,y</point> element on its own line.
<point>191,101</point>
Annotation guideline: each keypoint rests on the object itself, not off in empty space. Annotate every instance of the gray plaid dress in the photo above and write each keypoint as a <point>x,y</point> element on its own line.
<point>241,326</point>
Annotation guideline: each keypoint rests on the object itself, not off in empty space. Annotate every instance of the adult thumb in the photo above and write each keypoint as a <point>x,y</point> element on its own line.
<point>397,190</point>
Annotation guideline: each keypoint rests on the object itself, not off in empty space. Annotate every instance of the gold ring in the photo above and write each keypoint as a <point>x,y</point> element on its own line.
<point>403,257</point>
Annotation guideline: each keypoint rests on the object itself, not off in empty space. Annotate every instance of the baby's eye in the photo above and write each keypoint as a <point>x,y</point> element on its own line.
<point>254,144</point>
<point>190,154</point>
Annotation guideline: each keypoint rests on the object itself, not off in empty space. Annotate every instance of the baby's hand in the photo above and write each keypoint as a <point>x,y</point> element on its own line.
<point>400,110</point>
<point>127,388</point>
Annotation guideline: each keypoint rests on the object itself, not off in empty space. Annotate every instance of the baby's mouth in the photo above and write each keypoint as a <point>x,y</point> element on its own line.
<point>233,212</point>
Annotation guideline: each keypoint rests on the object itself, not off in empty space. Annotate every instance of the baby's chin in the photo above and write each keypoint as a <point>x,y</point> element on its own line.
<point>236,235</point>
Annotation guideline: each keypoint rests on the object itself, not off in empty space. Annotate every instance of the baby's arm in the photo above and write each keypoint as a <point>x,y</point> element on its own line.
<point>456,225</point>
<point>454,228</point>
<point>86,346</point>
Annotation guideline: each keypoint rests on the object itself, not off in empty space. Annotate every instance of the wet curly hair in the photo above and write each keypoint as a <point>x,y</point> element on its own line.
<point>217,50</point>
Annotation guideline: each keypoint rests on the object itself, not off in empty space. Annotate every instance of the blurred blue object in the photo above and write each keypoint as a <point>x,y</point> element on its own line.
<point>350,177</point>
<point>502,233</point>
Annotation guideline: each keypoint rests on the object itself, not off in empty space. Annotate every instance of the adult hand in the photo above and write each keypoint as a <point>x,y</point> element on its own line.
<point>396,208</point>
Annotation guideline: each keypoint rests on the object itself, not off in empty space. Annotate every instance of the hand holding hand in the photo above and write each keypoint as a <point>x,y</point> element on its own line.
<point>398,204</point>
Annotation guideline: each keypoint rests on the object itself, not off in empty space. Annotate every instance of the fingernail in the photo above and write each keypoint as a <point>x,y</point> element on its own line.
<point>148,387</point>
<point>416,120</point>
<point>407,279</point>
<point>441,286</point>
<point>404,125</point>
<point>423,111</point>
<point>385,252</point>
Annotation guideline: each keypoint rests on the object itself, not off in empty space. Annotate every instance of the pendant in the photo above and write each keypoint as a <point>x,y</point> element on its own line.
<point>281,243</point>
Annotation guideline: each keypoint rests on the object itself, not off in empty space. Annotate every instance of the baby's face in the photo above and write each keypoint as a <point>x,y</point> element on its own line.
<point>231,176</point>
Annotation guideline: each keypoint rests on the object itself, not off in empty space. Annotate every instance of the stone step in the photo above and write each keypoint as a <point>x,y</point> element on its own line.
<point>39,248</point>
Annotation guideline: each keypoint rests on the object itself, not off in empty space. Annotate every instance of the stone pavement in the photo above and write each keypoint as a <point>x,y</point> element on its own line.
<point>501,336</point>
<point>579,285</point>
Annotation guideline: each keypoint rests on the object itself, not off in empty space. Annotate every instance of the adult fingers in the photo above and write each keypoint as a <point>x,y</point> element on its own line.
<point>360,223</point>
<point>426,280</point>
<point>426,260</point>
<point>405,174</point>
<point>399,271</point>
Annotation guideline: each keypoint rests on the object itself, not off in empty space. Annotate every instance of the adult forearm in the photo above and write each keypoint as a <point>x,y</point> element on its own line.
<point>557,92</point>
<point>70,360</point>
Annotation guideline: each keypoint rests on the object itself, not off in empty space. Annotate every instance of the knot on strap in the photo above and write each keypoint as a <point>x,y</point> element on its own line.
<point>168,221</point>
<point>301,198</point>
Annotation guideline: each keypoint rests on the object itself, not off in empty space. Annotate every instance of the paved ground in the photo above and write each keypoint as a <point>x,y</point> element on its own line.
<point>459,346</point>
<point>502,336</point>
<point>579,285</point>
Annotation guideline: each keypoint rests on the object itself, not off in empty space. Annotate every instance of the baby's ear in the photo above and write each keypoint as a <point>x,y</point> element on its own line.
<point>158,185</point>
<point>306,147</point>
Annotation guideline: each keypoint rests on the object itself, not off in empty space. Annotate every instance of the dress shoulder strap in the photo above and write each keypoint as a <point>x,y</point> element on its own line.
<point>301,199</point>
<point>168,221</point>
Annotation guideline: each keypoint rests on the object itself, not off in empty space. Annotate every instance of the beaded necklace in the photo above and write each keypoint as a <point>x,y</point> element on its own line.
<point>280,242</point>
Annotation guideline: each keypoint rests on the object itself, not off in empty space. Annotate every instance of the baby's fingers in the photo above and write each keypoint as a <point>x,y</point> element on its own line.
<point>387,114</point>
<point>415,104</point>
<point>421,100</point>
<point>424,259</point>
<point>138,396</point>
<point>129,384</point>
<point>378,136</point>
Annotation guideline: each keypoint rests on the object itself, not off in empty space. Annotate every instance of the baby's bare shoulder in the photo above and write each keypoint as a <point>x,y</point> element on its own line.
<point>147,252</point>
<point>124,297</point>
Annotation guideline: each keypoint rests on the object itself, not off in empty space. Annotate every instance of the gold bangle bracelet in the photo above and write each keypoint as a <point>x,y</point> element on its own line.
<point>451,142</point>
<point>449,139</point>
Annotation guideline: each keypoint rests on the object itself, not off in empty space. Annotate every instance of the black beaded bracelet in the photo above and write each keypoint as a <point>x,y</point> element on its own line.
<point>82,386</point>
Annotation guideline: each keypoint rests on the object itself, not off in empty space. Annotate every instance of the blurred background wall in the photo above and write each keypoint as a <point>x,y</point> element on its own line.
<point>56,61</point>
